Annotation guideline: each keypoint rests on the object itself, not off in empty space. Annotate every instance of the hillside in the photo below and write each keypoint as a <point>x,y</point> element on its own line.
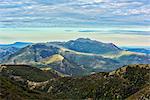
<point>27,72</point>
<point>142,94</point>
<point>14,80</point>
<point>5,52</point>
<point>120,84</point>
<point>73,63</point>
<point>10,90</point>
<point>8,49</point>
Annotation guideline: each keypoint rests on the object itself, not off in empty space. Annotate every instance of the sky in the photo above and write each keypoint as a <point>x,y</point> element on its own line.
<point>123,22</point>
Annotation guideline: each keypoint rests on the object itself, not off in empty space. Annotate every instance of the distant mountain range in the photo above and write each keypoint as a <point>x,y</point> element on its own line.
<point>76,57</point>
<point>8,49</point>
<point>138,50</point>
<point>16,45</point>
<point>76,69</point>
<point>24,82</point>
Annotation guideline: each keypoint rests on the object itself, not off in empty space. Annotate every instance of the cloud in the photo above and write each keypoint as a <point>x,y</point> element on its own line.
<point>88,31</point>
<point>143,10</point>
<point>76,13</point>
<point>130,32</point>
<point>91,1</point>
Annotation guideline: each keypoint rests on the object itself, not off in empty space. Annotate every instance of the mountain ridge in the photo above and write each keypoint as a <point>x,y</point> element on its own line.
<point>16,44</point>
<point>75,62</point>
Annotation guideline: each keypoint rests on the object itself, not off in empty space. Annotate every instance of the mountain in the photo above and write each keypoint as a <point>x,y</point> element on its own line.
<point>70,62</point>
<point>16,45</point>
<point>87,45</point>
<point>33,53</point>
<point>128,82</point>
<point>7,51</point>
<point>139,50</point>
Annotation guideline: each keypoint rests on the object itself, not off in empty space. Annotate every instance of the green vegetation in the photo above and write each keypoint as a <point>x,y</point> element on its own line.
<point>11,90</point>
<point>129,82</point>
<point>119,84</point>
<point>28,72</point>
<point>143,94</point>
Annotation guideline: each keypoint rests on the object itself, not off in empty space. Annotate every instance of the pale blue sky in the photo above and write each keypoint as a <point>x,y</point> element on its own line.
<point>124,22</point>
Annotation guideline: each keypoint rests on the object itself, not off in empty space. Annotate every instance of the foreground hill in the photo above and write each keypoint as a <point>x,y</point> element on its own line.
<point>142,94</point>
<point>127,82</point>
<point>14,80</point>
<point>94,57</point>
<point>10,90</point>
<point>119,84</point>
<point>27,72</point>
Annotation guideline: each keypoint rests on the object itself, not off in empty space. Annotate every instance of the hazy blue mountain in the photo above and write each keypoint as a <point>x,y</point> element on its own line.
<point>16,44</point>
<point>91,46</point>
<point>133,59</point>
<point>7,51</point>
<point>33,53</point>
<point>139,50</point>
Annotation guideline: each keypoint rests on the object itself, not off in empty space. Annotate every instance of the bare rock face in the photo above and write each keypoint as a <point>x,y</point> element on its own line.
<point>33,85</point>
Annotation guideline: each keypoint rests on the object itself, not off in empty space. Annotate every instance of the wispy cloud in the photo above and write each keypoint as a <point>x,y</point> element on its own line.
<point>130,32</point>
<point>88,31</point>
<point>76,13</point>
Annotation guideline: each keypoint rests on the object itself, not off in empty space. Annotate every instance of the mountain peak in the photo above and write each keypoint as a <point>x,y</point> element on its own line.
<point>22,43</point>
<point>87,45</point>
<point>83,39</point>
<point>87,40</point>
